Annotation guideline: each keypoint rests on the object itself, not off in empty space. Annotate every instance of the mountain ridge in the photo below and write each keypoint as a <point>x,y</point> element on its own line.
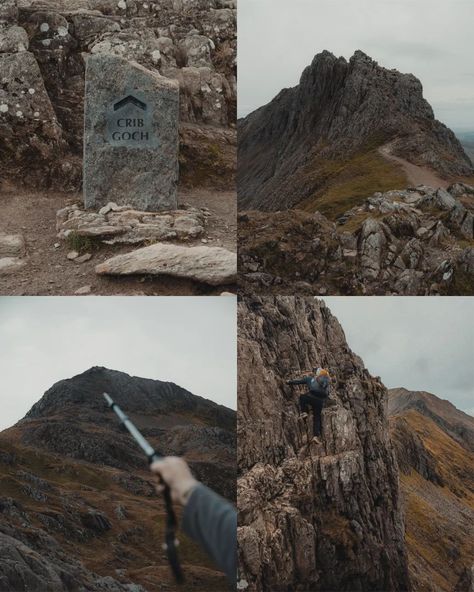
<point>291,149</point>
<point>436,461</point>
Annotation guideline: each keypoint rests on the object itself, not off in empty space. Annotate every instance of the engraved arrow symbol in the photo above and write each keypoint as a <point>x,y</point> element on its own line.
<point>129,99</point>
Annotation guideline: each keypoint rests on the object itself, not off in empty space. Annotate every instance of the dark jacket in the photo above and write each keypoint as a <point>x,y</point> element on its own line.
<point>318,386</point>
<point>212,521</point>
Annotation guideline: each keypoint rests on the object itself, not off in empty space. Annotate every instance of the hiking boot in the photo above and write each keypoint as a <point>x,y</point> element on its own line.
<point>317,439</point>
<point>303,415</point>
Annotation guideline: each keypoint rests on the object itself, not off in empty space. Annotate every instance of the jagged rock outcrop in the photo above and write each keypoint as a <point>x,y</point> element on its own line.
<point>433,444</point>
<point>78,508</point>
<point>44,45</point>
<point>292,147</point>
<point>313,517</point>
<point>409,242</point>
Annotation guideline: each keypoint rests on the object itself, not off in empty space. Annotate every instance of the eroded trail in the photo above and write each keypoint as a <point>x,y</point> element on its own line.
<point>416,175</point>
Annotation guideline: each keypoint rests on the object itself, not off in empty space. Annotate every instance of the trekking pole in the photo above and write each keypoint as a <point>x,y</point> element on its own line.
<point>171,542</point>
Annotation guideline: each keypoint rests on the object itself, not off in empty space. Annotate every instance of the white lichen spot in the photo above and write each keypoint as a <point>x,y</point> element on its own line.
<point>242,584</point>
<point>122,4</point>
<point>145,6</point>
<point>46,42</point>
<point>31,91</point>
<point>44,27</point>
<point>19,114</point>
<point>3,108</point>
<point>36,114</point>
<point>156,56</point>
<point>62,31</point>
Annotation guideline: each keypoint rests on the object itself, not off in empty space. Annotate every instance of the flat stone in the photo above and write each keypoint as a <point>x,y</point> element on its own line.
<point>83,258</point>
<point>210,265</point>
<point>10,265</point>
<point>11,245</point>
<point>131,135</point>
<point>83,290</point>
<point>72,255</point>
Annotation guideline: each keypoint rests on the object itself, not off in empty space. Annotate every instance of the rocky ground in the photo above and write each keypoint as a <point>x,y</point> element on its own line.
<point>77,506</point>
<point>434,443</point>
<point>313,516</point>
<point>418,241</point>
<point>43,48</point>
<point>41,265</point>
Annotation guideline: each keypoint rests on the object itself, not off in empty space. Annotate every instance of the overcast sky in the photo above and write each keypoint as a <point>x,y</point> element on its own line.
<point>189,341</point>
<point>433,40</point>
<point>424,344</point>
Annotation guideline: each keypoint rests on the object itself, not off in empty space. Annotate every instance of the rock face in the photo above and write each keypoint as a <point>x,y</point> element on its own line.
<point>339,109</point>
<point>313,516</point>
<point>192,42</point>
<point>131,136</point>
<point>210,265</point>
<point>433,443</point>
<point>74,482</point>
<point>407,242</point>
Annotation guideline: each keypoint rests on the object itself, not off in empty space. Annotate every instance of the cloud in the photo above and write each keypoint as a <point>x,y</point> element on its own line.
<point>417,343</point>
<point>189,341</point>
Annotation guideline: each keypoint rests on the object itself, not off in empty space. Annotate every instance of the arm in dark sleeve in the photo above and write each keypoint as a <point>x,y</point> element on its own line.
<point>304,380</point>
<point>212,522</point>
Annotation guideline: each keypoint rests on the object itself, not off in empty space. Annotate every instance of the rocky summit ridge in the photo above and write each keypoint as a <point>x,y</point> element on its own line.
<point>78,510</point>
<point>291,150</point>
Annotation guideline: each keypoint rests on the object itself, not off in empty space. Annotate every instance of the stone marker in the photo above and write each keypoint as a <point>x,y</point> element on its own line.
<point>130,135</point>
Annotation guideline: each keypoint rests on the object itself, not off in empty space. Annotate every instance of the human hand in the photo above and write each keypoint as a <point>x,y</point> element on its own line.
<point>174,472</point>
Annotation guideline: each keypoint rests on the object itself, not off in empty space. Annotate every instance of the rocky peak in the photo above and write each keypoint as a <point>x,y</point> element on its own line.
<point>340,108</point>
<point>72,419</point>
<point>139,395</point>
<point>313,516</point>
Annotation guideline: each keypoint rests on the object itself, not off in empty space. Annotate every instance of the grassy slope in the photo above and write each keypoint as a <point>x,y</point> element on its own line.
<point>346,184</point>
<point>439,520</point>
<point>132,544</point>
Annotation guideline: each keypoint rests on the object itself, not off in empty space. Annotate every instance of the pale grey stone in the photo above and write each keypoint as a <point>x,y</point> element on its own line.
<point>11,245</point>
<point>131,135</point>
<point>10,265</point>
<point>13,40</point>
<point>210,265</point>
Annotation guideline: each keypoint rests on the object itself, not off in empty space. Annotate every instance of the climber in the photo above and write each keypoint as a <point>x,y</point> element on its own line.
<point>318,391</point>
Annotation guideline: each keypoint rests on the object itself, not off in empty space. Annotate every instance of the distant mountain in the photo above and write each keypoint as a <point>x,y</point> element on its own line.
<point>328,132</point>
<point>467,141</point>
<point>434,447</point>
<point>457,424</point>
<point>76,496</point>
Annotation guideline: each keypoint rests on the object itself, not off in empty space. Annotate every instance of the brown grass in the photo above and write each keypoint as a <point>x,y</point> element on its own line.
<point>349,183</point>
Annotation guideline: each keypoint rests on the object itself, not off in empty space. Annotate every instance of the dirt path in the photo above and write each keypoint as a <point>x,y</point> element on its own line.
<point>49,272</point>
<point>416,175</point>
